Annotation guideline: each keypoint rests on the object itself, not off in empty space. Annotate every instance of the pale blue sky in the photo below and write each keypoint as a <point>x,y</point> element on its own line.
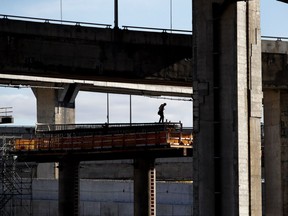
<point>131,12</point>
<point>91,107</point>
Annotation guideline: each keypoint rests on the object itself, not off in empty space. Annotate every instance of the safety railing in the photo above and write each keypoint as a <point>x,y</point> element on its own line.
<point>165,30</point>
<point>63,128</point>
<point>54,21</point>
<point>275,38</point>
<point>168,136</point>
<point>91,24</point>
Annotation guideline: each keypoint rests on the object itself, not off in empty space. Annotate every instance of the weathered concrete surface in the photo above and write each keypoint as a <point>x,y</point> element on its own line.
<point>104,197</point>
<point>167,169</point>
<point>54,106</point>
<point>276,151</point>
<point>275,85</point>
<point>275,64</point>
<point>227,95</point>
<point>272,153</point>
<point>144,187</point>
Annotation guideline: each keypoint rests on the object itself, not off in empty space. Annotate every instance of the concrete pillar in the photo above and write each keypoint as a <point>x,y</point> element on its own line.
<point>54,106</point>
<point>144,187</point>
<point>69,189</point>
<point>276,151</point>
<point>227,91</point>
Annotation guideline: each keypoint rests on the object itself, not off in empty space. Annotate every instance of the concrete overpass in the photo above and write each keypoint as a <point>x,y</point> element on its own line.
<point>97,58</point>
<point>223,60</point>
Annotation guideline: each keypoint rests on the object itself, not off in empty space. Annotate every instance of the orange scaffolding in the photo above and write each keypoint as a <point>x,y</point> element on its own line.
<point>71,139</point>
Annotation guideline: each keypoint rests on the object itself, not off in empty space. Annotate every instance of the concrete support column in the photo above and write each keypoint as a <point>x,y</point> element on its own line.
<point>227,93</point>
<point>144,187</point>
<point>69,188</point>
<point>54,106</point>
<point>276,151</point>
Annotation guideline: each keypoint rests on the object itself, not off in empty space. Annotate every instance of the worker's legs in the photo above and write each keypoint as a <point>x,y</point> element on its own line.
<point>161,120</point>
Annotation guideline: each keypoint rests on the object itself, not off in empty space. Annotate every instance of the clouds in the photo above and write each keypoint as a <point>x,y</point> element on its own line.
<point>23,104</point>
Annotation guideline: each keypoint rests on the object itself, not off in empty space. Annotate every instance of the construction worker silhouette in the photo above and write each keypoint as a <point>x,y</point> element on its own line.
<point>161,112</point>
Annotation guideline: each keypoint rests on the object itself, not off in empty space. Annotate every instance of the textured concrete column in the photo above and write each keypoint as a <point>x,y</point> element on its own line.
<point>227,108</point>
<point>276,151</point>
<point>144,187</point>
<point>69,189</point>
<point>54,106</point>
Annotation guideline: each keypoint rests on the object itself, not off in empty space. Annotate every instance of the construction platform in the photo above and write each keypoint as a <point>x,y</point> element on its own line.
<point>86,142</point>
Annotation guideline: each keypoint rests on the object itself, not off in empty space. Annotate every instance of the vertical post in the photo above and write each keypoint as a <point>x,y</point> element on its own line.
<point>69,188</point>
<point>227,108</point>
<point>276,151</point>
<point>144,187</point>
<point>130,109</point>
<point>61,11</point>
<point>107,108</point>
<point>53,108</point>
<point>57,106</point>
<point>171,15</point>
<point>116,14</point>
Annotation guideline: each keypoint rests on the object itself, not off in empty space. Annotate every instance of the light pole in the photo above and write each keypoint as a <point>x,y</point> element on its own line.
<point>171,15</point>
<point>115,14</point>
<point>61,10</point>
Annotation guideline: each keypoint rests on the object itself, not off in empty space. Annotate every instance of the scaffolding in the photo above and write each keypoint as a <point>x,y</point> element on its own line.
<point>69,137</point>
<point>5,115</point>
<point>15,182</point>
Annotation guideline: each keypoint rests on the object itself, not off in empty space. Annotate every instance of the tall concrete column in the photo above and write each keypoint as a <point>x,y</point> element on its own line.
<point>227,104</point>
<point>276,151</point>
<point>144,187</point>
<point>54,106</point>
<point>69,189</point>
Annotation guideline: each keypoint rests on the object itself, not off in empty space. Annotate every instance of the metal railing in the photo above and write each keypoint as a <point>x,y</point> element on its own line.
<point>275,38</point>
<point>54,21</point>
<point>89,24</point>
<point>43,127</point>
<point>165,30</point>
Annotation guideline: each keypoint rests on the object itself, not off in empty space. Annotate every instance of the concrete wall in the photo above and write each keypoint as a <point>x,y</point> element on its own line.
<point>109,198</point>
<point>176,169</point>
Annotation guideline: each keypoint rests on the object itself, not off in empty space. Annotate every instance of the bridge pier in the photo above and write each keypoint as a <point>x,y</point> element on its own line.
<point>69,188</point>
<point>227,104</point>
<point>54,106</point>
<point>276,151</point>
<point>144,187</point>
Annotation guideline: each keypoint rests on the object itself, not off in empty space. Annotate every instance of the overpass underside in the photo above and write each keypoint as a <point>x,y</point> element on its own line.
<point>74,52</point>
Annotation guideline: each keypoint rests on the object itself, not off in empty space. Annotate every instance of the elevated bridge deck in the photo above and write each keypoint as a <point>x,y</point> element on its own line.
<point>105,141</point>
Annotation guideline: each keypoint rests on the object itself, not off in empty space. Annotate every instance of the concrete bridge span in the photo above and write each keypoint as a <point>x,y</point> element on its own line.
<point>100,54</point>
<point>101,59</point>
